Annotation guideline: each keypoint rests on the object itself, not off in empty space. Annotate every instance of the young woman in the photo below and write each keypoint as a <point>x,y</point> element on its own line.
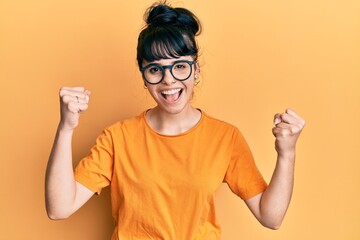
<point>164,165</point>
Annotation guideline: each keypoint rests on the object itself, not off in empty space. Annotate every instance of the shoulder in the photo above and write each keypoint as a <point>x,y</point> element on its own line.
<point>125,125</point>
<point>216,123</point>
<point>221,130</point>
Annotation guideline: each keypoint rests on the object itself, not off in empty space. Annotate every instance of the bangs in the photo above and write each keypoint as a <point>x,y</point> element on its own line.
<point>165,43</point>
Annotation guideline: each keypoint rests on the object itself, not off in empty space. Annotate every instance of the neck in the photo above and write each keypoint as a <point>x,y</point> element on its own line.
<point>173,123</point>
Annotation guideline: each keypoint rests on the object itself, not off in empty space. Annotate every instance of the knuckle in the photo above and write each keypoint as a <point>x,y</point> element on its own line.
<point>66,98</point>
<point>300,126</point>
<point>274,130</point>
<point>303,122</point>
<point>279,133</point>
<point>286,132</point>
<point>293,130</point>
<point>72,107</point>
<point>61,91</point>
<point>84,107</point>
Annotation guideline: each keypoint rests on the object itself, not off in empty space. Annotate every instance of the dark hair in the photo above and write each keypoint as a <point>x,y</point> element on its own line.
<point>169,33</point>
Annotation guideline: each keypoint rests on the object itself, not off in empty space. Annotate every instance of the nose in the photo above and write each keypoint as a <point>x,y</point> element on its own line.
<point>168,77</point>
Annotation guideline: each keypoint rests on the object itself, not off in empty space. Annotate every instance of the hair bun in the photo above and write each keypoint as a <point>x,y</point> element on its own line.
<point>162,15</point>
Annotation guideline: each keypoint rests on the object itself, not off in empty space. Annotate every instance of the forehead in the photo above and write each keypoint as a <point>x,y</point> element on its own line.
<point>169,61</point>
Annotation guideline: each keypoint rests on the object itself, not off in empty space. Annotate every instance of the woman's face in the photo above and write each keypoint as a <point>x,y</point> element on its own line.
<point>171,95</point>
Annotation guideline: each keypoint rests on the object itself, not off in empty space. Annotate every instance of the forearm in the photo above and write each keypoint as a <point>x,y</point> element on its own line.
<point>276,198</point>
<point>60,186</point>
<point>270,206</point>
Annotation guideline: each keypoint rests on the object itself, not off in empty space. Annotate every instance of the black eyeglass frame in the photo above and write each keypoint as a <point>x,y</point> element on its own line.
<point>162,68</point>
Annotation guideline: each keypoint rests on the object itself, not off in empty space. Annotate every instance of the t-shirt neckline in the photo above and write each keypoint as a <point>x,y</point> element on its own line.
<point>177,135</point>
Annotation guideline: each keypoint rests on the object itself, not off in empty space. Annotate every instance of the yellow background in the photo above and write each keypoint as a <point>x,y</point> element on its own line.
<point>257,58</point>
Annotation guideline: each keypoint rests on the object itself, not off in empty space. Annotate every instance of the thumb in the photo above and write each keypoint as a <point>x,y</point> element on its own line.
<point>277,119</point>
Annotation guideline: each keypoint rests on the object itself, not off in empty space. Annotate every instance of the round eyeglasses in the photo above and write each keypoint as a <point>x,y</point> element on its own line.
<point>154,73</point>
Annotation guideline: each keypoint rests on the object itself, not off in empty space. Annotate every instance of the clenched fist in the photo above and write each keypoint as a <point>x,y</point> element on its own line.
<point>73,101</point>
<point>288,127</point>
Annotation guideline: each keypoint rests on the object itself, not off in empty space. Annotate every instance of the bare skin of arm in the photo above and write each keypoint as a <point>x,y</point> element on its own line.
<point>63,195</point>
<point>270,206</point>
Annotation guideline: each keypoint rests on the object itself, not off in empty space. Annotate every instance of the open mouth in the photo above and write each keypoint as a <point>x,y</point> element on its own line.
<point>172,95</point>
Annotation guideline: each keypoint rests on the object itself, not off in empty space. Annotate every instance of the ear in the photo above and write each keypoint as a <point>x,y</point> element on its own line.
<point>197,70</point>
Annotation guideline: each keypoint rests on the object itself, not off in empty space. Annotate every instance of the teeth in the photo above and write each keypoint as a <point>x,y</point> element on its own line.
<point>172,91</point>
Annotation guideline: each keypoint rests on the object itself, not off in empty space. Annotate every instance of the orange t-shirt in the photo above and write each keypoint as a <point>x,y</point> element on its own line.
<point>162,186</point>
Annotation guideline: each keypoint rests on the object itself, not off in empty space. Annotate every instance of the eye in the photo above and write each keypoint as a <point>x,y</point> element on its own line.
<point>154,70</point>
<point>180,66</point>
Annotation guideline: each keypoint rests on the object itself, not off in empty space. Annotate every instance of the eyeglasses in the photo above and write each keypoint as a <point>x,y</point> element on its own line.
<point>154,73</point>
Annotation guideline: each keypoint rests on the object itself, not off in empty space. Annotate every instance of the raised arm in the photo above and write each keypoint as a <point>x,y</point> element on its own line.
<point>270,206</point>
<point>63,195</point>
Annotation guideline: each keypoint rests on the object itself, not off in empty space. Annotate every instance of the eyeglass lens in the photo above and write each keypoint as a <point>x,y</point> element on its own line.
<point>179,70</point>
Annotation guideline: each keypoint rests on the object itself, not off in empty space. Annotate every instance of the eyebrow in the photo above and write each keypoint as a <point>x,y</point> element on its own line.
<point>156,62</point>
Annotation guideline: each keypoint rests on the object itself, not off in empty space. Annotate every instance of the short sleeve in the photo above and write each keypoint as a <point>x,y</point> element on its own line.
<point>242,175</point>
<point>95,170</point>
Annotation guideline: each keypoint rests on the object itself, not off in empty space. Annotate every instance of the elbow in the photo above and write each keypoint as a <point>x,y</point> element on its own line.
<point>273,225</point>
<point>272,220</point>
<point>56,212</point>
<point>56,215</point>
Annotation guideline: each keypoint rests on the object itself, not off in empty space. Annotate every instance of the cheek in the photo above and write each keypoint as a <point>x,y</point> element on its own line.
<point>151,90</point>
<point>190,86</point>
<point>154,92</point>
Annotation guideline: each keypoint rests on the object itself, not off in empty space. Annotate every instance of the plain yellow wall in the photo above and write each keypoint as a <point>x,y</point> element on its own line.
<point>258,57</point>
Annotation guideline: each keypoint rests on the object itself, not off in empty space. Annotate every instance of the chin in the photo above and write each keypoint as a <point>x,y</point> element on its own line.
<point>177,108</point>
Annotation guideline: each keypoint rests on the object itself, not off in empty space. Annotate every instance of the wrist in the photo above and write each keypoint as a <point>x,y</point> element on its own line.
<point>287,155</point>
<point>63,129</point>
